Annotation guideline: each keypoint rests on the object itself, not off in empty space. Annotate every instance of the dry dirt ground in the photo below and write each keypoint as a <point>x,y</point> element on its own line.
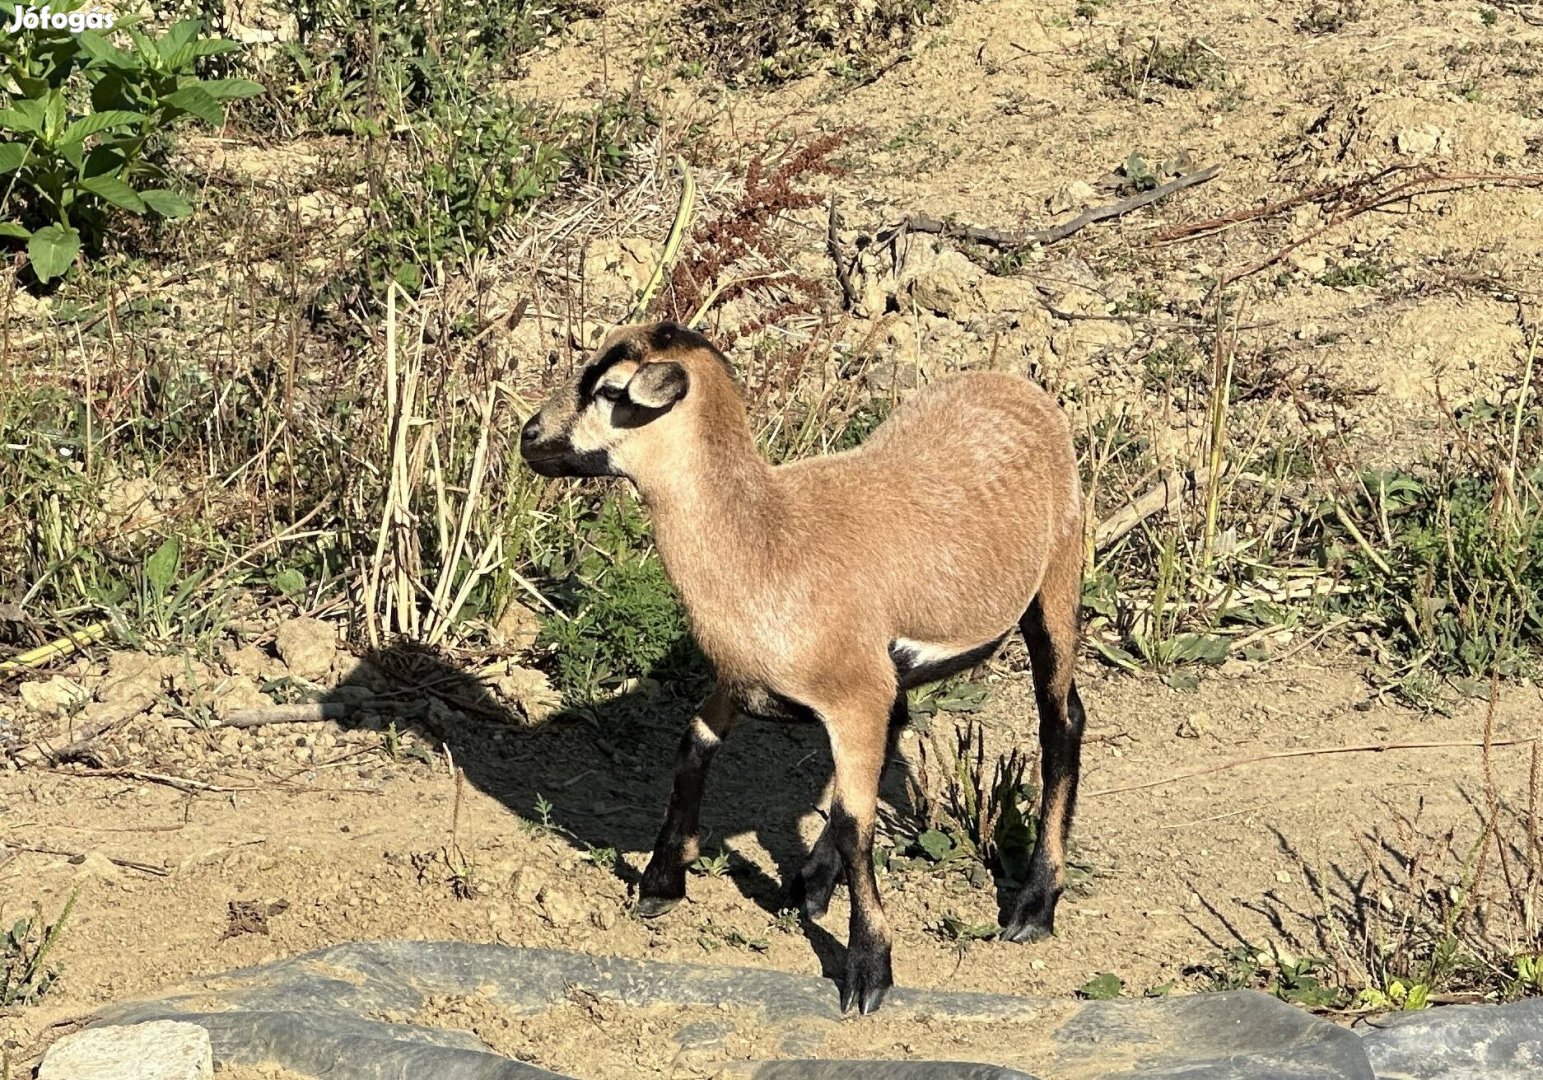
<point>320,817</point>
<point>350,824</point>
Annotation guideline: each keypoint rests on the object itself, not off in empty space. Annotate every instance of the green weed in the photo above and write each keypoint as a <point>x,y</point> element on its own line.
<point>1105,986</point>
<point>1352,275</point>
<point>84,130</point>
<point>626,621</point>
<point>25,973</point>
<point>1188,65</point>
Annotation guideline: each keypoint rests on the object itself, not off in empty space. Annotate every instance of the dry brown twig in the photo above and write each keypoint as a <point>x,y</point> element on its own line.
<point>1169,491</point>
<point>1056,233</point>
<point>1281,755</point>
<point>1408,189</point>
<point>80,856</point>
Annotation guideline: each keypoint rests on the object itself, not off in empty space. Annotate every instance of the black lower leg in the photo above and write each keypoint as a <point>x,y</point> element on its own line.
<point>664,881</point>
<point>869,974</point>
<point>1033,910</point>
<point>811,889</point>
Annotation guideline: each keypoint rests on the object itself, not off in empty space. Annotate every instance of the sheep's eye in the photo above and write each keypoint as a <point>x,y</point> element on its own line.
<point>611,393</point>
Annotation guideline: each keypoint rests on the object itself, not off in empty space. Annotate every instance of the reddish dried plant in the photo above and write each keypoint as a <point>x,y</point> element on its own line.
<point>710,272</point>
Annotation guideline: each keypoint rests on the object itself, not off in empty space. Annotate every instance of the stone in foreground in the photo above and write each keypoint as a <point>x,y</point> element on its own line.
<point>157,1050</point>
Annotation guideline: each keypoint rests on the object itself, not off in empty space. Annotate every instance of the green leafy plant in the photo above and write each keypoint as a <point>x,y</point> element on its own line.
<point>25,974</point>
<point>715,866</point>
<point>1105,986</point>
<point>84,129</point>
<point>627,621</point>
<point>1296,979</point>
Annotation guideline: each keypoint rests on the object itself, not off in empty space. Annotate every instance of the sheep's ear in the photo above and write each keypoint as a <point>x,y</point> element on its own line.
<point>658,385</point>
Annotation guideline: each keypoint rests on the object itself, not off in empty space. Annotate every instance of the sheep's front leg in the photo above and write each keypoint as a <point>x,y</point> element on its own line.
<point>664,881</point>
<point>811,889</point>
<point>857,740</point>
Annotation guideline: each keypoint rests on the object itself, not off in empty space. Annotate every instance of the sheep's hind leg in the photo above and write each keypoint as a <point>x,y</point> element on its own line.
<point>810,891</point>
<point>1051,630</point>
<point>664,881</point>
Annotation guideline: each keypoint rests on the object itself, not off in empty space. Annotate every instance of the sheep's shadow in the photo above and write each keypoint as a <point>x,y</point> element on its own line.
<point>606,771</point>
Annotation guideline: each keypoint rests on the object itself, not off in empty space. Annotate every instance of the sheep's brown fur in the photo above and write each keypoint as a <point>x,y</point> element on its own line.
<point>827,586</point>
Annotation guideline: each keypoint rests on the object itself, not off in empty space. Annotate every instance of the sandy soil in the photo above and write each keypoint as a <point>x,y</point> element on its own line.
<point>321,818</point>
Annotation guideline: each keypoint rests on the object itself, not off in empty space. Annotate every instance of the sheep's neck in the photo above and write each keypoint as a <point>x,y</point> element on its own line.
<point>715,521</point>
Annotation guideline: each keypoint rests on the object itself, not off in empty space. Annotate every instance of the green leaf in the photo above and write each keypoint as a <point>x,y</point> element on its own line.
<point>100,121</point>
<point>1184,682</point>
<point>290,582</point>
<point>114,191</point>
<point>229,89</point>
<point>95,45</point>
<point>166,203</point>
<point>1117,656</point>
<point>53,114</point>
<point>52,249</point>
<point>1105,986</point>
<point>13,231</point>
<point>161,567</point>
<point>1198,649</point>
<point>198,102</point>
<point>963,698</point>
<point>103,160</point>
<point>214,46</point>
<point>179,36</point>
<point>12,156</point>
<point>21,119</point>
<point>937,845</point>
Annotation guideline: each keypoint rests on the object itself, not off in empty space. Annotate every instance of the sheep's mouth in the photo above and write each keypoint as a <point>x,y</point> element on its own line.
<point>564,461</point>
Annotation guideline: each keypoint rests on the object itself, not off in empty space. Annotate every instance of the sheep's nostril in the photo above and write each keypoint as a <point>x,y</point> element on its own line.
<point>528,433</point>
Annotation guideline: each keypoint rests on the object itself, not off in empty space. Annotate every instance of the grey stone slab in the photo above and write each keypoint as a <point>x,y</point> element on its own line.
<point>1239,1035</point>
<point>318,1014</point>
<point>811,1069</point>
<point>1458,1042</point>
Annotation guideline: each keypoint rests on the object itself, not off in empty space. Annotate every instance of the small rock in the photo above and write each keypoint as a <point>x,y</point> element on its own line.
<point>158,1050</point>
<point>53,697</point>
<point>1283,877</point>
<point>1074,195</point>
<point>887,376</point>
<point>530,690</point>
<point>1194,725</point>
<point>95,865</point>
<point>134,674</point>
<point>947,287</point>
<point>249,660</point>
<point>559,908</point>
<point>308,646</point>
<point>517,627</point>
<point>240,692</point>
<point>1422,141</point>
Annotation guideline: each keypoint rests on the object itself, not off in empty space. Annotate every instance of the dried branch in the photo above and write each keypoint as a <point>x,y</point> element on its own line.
<point>1169,491</point>
<point>1056,233</point>
<point>1369,748</point>
<point>843,268</point>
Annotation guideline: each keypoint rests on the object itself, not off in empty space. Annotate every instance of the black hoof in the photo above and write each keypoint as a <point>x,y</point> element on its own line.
<point>811,890</point>
<point>651,907</point>
<point>868,979</point>
<point>1026,932</point>
<point>1033,916</point>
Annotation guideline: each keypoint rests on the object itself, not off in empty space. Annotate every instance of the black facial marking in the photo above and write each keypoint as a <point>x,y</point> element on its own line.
<point>672,335</point>
<point>627,349</point>
<point>912,674</point>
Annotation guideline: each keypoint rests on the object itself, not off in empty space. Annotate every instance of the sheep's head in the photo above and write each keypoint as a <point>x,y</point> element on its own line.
<point>631,409</point>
